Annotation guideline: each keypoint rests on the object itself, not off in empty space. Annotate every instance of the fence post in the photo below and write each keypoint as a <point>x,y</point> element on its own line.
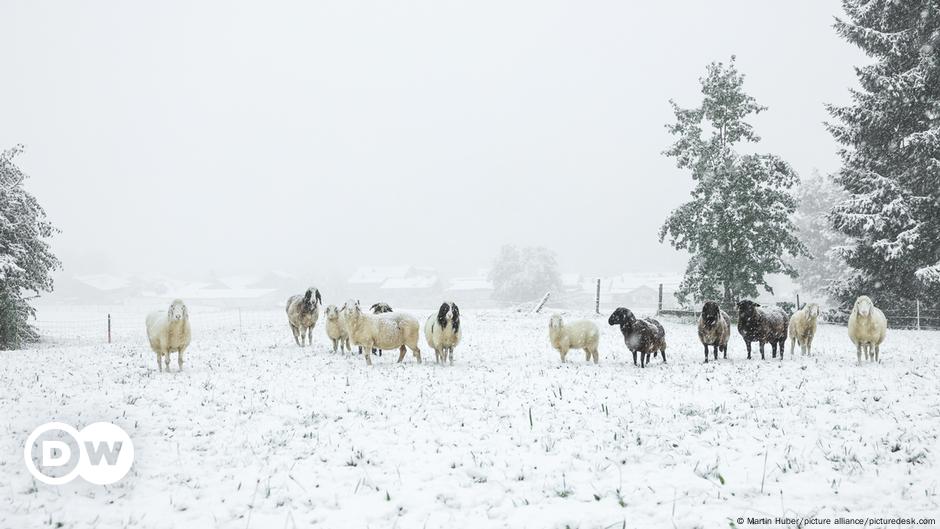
<point>542,303</point>
<point>918,314</point>
<point>597,298</point>
<point>798,301</point>
<point>240,321</point>
<point>659,307</point>
<point>109,327</point>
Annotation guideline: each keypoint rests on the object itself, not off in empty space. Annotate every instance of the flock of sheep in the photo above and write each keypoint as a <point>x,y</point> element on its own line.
<point>381,328</point>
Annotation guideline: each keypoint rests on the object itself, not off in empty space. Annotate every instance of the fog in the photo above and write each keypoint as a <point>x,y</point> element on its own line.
<point>179,137</point>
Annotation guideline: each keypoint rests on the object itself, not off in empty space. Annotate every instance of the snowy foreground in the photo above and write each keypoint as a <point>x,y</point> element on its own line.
<point>256,432</point>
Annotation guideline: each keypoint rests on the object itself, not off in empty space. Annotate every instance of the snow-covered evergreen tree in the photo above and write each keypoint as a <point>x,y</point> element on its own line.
<point>737,228</point>
<point>891,158</point>
<point>823,265</point>
<point>523,274</point>
<point>26,260</point>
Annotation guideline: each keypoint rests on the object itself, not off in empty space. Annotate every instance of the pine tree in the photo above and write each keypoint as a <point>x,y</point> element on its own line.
<point>815,196</point>
<point>737,227</point>
<point>26,260</point>
<point>891,155</point>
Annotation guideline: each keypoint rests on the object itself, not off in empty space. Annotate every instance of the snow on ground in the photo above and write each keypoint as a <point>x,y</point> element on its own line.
<point>256,432</point>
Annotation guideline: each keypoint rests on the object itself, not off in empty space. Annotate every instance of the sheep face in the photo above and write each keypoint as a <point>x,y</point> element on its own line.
<point>813,310</point>
<point>747,309</point>
<point>556,322</point>
<point>381,308</point>
<point>332,313</point>
<point>863,306</point>
<point>710,312</point>
<point>623,317</point>
<point>449,313</point>
<point>311,299</point>
<point>177,311</point>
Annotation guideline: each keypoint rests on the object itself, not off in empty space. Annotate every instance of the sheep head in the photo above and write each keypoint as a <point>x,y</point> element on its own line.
<point>747,308</point>
<point>813,310</point>
<point>381,308</point>
<point>710,312</point>
<point>177,311</point>
<point>623,317</point>
<point>332,313</point>
<point>449,313</point>
<point>556,322</point>
<point>863,306</point>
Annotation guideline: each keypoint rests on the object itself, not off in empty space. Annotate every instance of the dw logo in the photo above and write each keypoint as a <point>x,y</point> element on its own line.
<point>55,453</point>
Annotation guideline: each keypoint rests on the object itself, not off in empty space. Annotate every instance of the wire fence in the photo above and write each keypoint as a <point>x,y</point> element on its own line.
<point>125,323</point>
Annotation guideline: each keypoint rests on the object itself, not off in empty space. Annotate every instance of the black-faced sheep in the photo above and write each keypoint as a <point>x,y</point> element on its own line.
<point>646,336</point>
<point>394,330</point>
<point>336,329</point>
<point>867,328</point>
<point>803,328</point>
<point>442,331</point>
<point>580,334</point>
<point>714,328</point>
<point>169,331</point>
<point>302,314</point>
<point>763,326</point>
<point>381,308</point>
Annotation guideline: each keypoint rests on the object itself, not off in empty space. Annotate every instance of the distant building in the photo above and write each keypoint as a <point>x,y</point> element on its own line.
<point>473,291</point>
<point>399,286</point>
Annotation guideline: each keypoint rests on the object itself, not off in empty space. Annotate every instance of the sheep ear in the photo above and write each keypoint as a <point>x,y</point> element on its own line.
<point>319,300</point>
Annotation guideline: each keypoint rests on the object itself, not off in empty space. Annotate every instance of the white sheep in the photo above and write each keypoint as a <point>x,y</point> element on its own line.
<point>442,331</point>
<point>336,329</point>
<point>803,328</point>
<point>302,314</point>
<point>393,330</point>
<point>580,334</point>
<point>867,328</point>
<point>169,331</point>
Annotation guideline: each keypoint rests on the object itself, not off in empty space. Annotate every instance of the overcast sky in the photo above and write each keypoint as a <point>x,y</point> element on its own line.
<point>182,137</point>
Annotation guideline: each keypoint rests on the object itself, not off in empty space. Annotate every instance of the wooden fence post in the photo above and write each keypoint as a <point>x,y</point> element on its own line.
<point>541,304</point>
<point>797,301</point>
<point>918,314</point>
<point>109,327</point>
<point>659,307</point>
<point>597,298</point>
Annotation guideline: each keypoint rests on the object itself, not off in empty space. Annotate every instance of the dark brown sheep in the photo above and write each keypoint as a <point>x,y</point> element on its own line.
<point>714,328</point>
<point>762,325</point>
<point>644,336</point>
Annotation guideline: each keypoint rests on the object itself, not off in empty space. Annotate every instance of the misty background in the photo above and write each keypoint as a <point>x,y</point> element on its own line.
<point>315,138</point>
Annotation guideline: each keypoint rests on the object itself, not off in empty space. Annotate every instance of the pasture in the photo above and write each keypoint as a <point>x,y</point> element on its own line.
<point>257,432</point>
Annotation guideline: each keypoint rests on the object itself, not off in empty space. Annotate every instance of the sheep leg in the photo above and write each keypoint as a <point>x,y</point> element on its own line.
<point>877,352</point>
<point>858,351</point>
<point>706,354</point>
<point>773,349</point>
<point>634,357</point>
<point>166,360</point>
<point>809,346</point>
<point>450,355</point>
<point>748,344</point>
<point>417,352</point>
<point>438,356</point>
<point>782,343</point>
<point>793,345</point>
<point>563,352</point>
<point>401,353</point>
<point>663,352</point>
<point>762,351</point>
<point>587,355</point>
<point>714,351</point>
<point>724,351</point>
<point>293,329</point>
<point>159,361</point>
<point>366,350</point>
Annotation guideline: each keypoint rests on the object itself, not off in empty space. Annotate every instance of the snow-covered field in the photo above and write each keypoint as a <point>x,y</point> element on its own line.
<point>258,433</point>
